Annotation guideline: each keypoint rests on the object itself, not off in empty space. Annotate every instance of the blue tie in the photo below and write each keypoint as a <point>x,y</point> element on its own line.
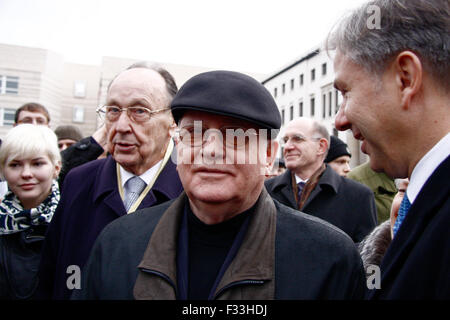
<point>300,185</point>
<point>402,211</point>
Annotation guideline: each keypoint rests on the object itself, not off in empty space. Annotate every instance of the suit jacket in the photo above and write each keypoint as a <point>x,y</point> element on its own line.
<point>90,200</point>
<point>345,203</point>
<point>417,263</point>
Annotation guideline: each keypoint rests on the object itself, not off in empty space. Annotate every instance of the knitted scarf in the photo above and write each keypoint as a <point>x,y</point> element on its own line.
<point>14,218</point>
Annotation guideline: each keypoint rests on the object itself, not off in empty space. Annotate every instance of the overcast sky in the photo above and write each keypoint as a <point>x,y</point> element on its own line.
<point>256,36</point>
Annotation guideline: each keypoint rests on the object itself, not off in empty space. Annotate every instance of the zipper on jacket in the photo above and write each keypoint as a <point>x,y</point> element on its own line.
<point>238,283</point>
<point>162,275</point>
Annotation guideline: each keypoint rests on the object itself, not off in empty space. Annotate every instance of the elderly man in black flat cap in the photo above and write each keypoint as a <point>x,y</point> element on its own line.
<point>224,237</point>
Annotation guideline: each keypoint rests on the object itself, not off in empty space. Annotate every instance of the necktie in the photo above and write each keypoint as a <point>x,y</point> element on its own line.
<point>300,185</point>
<point>134,187</point>
<point>402,211</point>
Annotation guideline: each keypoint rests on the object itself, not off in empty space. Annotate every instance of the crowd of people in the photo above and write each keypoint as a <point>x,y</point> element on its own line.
<point>180,195</point>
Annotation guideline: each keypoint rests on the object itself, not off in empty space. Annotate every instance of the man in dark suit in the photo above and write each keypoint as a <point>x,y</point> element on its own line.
<point>315,188</point>
<point>139,173</point>
<point>396,87</point>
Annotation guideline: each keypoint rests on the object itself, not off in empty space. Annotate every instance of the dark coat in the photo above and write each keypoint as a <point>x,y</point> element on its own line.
<point>417,263</point>
<point>345,203</point>
<point>285,254</point>
<point>85,150</point>
<point>90,200</point>
<point>20,254</point>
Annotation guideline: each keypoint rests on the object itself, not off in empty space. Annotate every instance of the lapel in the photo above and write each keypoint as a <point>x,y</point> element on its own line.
<point>330,178</point>
<point>254,260</point>
<point>432,196</point>
<point>167,184</point>
<point>106,187</point>
<point>284,187</point>
<point>160,257</point>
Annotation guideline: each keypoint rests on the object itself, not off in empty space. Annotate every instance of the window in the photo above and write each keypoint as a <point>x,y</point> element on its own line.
<point>9,84</point>
<point>324,106</point>
<point>313,74</point>
<point>300,109</point>
<point>336,103</point>
<point>330,105</point>
<point>283,88</point>
<point>78,114</point>
<point>275,92</point>
<point>313,102</point>
<point>324,69</point>
<point>79,89</point>
<point>291,113</point>
<point>282,117</point>
<point>301,79</point>
<point>292,84</point>
<point>8,116</point>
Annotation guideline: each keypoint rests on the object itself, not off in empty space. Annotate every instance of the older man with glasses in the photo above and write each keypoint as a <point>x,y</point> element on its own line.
<point>139,173</point>
<point>224,237</point>
<point>311,186</point>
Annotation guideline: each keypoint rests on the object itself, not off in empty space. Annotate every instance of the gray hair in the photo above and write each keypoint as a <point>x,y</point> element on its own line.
<point>421,26</point>
<point>171,85</point>
<point>321,131</point>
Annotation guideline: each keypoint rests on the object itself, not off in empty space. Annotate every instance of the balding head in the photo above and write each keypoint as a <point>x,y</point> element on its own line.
<point>305,146</point>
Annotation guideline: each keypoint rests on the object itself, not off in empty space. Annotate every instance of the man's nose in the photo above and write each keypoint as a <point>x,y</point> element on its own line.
<point>123,123</point>
<point>213,146</point>
<point>341,122</point>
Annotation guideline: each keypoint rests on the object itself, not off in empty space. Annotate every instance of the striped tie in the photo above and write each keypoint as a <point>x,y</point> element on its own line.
<point>300,185</point>
<point>134,187</point>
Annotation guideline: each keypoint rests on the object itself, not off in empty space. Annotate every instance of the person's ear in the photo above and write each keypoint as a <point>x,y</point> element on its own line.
<point>58,166</point>
<point>323,146</point>
<point>409,72</point>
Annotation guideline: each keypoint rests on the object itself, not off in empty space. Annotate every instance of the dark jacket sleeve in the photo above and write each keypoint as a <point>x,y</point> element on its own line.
<point>83,151</point>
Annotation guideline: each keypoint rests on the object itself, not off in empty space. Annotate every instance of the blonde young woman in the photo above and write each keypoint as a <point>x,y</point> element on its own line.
<point>30,162</point>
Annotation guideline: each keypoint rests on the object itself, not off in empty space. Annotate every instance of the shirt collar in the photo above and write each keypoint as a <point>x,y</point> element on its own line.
<point>426,166</point>
<point>147,176</point>
<point>298,179</point>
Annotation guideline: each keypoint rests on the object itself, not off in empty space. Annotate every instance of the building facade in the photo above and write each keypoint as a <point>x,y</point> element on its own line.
<point>304,88</point>
<point>71,92</point>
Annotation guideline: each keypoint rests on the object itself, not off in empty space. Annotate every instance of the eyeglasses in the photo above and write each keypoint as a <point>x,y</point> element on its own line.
<point>297,139</point>
<point>234,137</point>
<point>137,114</point>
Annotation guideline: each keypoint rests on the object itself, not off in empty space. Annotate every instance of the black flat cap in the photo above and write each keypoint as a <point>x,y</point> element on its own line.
<point>228,93</point>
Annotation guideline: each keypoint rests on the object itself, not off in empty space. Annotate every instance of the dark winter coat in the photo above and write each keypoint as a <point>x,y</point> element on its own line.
<point>20,254</point>
<point>285,254</point>
<point>345,203</point>
<point>90,200</point>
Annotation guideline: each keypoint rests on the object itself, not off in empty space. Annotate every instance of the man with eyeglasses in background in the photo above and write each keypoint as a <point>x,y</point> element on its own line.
<point>311,186</point>
<point>138,173</point>
<point>224,237</point>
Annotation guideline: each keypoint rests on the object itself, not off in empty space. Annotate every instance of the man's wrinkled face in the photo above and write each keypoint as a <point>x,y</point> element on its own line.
<point>211,169</point>
<point>301,146</point>
<point>138,146</point>
<point>368,110</point>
